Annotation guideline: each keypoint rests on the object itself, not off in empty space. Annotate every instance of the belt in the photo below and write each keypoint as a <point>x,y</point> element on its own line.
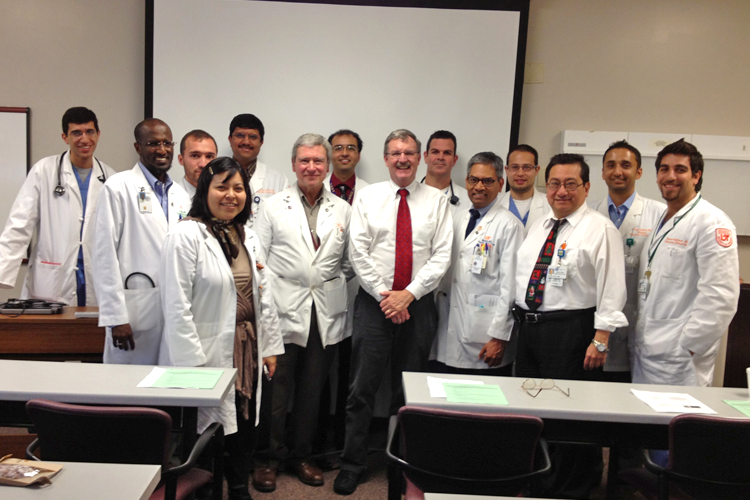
<point>522,315</point>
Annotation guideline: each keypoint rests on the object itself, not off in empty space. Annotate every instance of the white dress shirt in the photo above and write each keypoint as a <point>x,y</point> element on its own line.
<point>373,237</point>
<point>595,267</point>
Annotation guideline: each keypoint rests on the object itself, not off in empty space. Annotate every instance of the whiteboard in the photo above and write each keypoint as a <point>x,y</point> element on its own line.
<point>14,162</point>
<point>308,67</point>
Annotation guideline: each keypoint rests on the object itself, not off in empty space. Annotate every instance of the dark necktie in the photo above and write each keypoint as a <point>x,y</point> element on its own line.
<point>535,290</point>
<point>404,258</point>
<point>473,218</point>
<point>342,191</point>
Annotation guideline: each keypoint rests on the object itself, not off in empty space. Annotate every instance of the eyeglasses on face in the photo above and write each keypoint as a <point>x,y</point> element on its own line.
<point>530,384</point>
<point>569,186</point>
<point>350,148</point>
<point>397,154</point>
<point>487,181</point>
<point>526,168</point>
<point>241,137</point>
<point>156,144</point>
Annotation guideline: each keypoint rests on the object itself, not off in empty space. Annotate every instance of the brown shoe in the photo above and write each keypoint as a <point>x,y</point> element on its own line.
<point>264,479</point>
<point>309,473</point>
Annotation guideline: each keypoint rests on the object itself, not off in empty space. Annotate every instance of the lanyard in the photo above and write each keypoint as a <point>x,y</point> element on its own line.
<point>652,254</point>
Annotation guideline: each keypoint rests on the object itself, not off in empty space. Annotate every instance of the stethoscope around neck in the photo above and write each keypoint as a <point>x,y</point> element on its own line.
<point>59,189</point>
<point>454,198</point>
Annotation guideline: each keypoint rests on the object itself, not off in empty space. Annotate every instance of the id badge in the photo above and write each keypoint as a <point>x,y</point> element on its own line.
<point>144,203</point>
<point>643,286</point>
<point>631,263</point>
<point>556,275</point>
<point>477,263</point>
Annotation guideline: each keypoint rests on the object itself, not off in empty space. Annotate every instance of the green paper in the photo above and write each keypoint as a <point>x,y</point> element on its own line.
<point>188,379</point>
<point>475,393</point>
<point>741,406</point>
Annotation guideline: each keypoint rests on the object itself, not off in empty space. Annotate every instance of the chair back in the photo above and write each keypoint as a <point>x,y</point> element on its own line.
<point>102,434</point>
<point>475,447</point>
<point>712,449</point>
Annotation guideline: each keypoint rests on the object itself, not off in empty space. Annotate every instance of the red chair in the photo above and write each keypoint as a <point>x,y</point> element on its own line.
<point>709,459</point>
<point>131,435</point>
<point>444,451</point>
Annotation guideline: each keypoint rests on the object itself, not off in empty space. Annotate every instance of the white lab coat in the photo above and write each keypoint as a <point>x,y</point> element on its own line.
<point>300,274</point>
<point>352,286</point>
<point>643,216</point>
<point>189,188</point>
<point>475,308</point>
<point>692,299</point>
<point>128,241</point>
<point>57,221</point>
<point>264,183</point>
<point>199,302</point>
<point>538,209</point>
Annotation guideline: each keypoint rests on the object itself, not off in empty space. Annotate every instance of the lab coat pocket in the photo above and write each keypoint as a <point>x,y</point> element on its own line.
<point>45,280</point>
<point>482,310</point>
<point>336,296</point>
<point>661,337</point>
<point>286,294</point>
<point>144,309</point>
<point>674,267</point>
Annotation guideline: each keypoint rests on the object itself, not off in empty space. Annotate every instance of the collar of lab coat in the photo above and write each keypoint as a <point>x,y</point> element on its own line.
<point>482,225</point>
<point>631,218</point>
<point>292,198</point>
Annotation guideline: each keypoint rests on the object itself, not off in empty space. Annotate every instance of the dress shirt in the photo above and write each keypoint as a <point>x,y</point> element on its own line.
<point>595,264</point>
<point>483,211</point>
<point>311,213</point>
<point>161,189</point>
<point>373,237</point>
<point>617,214</point>
<point>335,183</point>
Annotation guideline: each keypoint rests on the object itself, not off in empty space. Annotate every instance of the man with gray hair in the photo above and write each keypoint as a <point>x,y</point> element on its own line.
<point>304,237</point>
<point>401,234</point>
<point>474,337</point>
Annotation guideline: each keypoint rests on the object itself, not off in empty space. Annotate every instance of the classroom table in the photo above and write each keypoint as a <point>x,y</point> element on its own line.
<point>79,480</point>
<point>52,337</point>
<point>602,413</point>
<point>100,384</point>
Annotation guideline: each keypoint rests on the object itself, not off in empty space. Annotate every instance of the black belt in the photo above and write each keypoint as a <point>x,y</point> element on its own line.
<point>522,315</point>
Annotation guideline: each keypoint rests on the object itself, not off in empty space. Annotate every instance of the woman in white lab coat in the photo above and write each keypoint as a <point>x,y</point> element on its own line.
<point>218,310</point>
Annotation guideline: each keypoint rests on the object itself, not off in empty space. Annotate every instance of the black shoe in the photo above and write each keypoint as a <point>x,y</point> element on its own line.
<point>346,482</point>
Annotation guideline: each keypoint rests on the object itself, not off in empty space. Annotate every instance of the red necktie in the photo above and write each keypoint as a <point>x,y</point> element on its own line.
<point>404,259</point>
<point>537,282</point>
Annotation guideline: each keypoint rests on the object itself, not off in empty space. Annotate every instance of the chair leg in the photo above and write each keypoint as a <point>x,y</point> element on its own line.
<point>395,476</point>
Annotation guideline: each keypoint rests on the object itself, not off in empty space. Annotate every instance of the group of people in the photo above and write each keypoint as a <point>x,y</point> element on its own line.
<point>233,266</point>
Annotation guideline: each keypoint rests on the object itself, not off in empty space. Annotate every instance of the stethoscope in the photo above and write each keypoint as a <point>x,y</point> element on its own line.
<point>59,189</point>
<point>454,198</point>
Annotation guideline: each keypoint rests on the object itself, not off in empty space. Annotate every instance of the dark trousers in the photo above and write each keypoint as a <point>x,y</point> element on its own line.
<point>375,340</point>
<point>556,350</point>
<point>305,369</point>
<point>239,448</point>
<point>500,371</point>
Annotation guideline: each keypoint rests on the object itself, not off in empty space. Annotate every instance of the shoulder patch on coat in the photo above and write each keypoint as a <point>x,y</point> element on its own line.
<point>724,237</point>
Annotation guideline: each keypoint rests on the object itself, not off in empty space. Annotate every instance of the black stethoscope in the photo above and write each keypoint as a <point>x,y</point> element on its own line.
<point>59,189</point>
<point>454,198</point>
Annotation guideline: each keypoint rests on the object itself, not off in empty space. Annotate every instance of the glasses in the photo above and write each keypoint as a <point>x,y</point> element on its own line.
<point>241,137</point>
<point>487,181</point>
<point>156,144</point>
<point>350,148</point>
<point>526,168</point>
<point>530,384</point>
<point>397,154</point>
<point>569,186</point>
<point>78,134</point>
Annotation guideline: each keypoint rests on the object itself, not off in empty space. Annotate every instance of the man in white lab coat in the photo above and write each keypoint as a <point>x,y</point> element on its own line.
<point>135,211</point>
<point>441,156</point>
<point>635,217</point>
<point>246,134</point>
<point>523,200</point>
<point>689,285</point>
<point>58,202</point>
<point>474,337</point>
<point>197,149</point>
<point>303,232</point>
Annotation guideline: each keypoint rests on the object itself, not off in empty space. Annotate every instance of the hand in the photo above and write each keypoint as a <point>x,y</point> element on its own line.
<point>395,301</point>
<point>122,337</point>
<point>270,363</point>
<point>595,359</point>
<point>401,317</point>
<point>492,352</point>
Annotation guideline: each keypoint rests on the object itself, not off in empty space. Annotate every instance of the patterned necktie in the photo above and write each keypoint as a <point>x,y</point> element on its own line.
<point>473,218</point>
<point>535,290</point>
<point>342,191</point>
<point>402,273</point>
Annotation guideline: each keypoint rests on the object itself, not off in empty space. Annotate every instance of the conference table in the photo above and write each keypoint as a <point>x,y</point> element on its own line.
<point>603,413</point>
<point>52,337</point>
<point>79,480</point>
<point>103,384</point>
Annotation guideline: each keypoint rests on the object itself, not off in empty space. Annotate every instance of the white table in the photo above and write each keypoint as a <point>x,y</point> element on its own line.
<point>448,496</point>
<point>84,480</point>
<point>99,384</point>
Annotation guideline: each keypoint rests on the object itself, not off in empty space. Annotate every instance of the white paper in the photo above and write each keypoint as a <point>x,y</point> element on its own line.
<point>152,377</point>
<point>436,385</point>
<point>672,402</point>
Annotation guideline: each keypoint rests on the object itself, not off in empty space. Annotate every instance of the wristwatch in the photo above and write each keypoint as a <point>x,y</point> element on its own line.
<point>600,346</point>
